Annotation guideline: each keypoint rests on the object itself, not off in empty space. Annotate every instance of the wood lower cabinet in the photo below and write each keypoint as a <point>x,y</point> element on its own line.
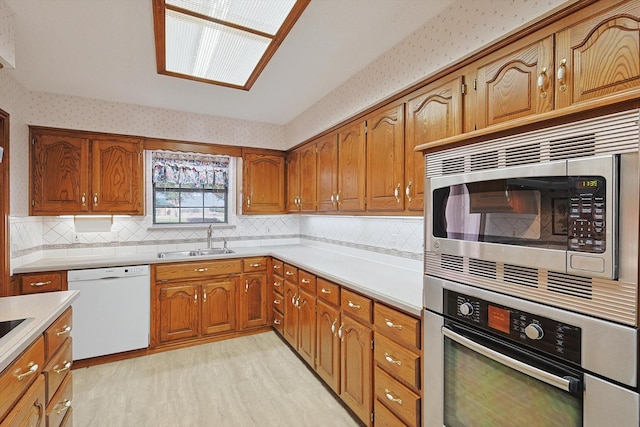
<point>34,283</point>
<point>328,344</point>
<point>30,409</point>
<point>300,312</point>
<point>179,311</point>
<point>253,301</point>
<point>263,182</point>
<point>356,367</point>
<point>219,306</point>
<point>307,326</point>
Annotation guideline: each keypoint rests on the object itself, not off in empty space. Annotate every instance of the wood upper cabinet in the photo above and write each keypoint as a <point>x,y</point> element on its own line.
<point>263,182</point>
<point>219,306</point>
<point>293,181</point>
<point>385,159</point>
<point>254,302</point>
<point>356,367</point>
<point>599,54</point>
<point>327,173</point>
<point>433,113</point>
<point>519,83</point>
<point>301,179</point>
<point>76,172</point>
<point>352,168</point>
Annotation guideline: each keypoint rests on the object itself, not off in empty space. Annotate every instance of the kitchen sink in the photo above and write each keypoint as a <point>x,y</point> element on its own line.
<point>197,252</point>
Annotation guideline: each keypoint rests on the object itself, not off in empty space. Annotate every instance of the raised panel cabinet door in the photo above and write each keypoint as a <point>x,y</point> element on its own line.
<point>219,306</point>
<point>293,181</point>
<point>599,55</point>
<point>263,183</point>
<point>307,327</point>
<point>519,84</point>
<point>308,178</point>
<point>179,312</point>
<point>327,173</point>
<point>290,330</point>
<point>117,178</point>
<point>352,168</point>
<point>385,159</point>
<point>30,409</point>
<point>254,301</point>
<point>328,345</point>
<point>435,113</point>
<point>59,174</point>
<point>356,367</point>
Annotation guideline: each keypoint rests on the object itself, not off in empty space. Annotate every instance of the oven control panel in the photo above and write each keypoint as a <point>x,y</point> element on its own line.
<point>541,333</point>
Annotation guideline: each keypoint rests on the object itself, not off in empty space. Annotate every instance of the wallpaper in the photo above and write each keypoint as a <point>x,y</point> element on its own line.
<point>7,36</point>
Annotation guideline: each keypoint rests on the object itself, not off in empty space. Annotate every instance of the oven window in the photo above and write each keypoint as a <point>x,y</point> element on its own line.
<point>481,392</point>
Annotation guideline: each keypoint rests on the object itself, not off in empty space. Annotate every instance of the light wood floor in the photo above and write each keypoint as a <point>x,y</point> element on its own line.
<point>249,381</point>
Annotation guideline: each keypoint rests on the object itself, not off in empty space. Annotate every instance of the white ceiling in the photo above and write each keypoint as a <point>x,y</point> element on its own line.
<point>104,49</point>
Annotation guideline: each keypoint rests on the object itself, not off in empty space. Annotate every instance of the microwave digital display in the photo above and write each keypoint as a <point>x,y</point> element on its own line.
<point>589,183</point>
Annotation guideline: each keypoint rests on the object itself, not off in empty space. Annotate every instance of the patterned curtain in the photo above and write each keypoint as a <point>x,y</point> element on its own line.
<point>176,170</point>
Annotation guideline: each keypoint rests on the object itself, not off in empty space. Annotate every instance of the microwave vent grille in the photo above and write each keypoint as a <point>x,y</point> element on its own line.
<point>568,284</point>
<point>611,134</point>
<point>523,276</point>
<point>452,262</point>
<point>482,268</point>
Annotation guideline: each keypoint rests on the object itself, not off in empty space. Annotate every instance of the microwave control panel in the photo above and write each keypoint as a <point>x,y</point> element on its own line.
<point>586,225</point>
<point>541,333</point>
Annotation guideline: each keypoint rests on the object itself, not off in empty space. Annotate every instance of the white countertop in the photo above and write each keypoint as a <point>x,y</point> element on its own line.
<point>383,278</point>
<point>40,310</point>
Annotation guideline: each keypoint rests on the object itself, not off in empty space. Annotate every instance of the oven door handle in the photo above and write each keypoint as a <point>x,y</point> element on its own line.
<point>569,384</point>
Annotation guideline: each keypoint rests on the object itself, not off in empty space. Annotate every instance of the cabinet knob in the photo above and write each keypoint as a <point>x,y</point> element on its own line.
<point>561,74</point>
<point>333,326</point>
<point>95,199</point>
<point>305,281</point>
<point>407,191</point>
<point>325,291</point>
<point>396,193</point>
<point>340,332</point>
<point>542,82</point>
<point>83,199</point>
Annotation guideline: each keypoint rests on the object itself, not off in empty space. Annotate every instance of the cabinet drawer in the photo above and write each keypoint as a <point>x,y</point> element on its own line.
<point>278,322</point>
<point>197,269</point>
<point>290,273</point>
<point>278,285</point>
<point>20,374</point>
<point>404,403</point>
<point>398,361</point>
<point>57,368</point>
<point>400,327</point>
<point>330,292</point>
<point>29,411</point>
<point>278,267</point>
<point>42,282</point>
<point>278,302</point>
<point>254,264</point>
<point>356,305</point>
<point>59,331</point>
<point>307,281</point>
<point>60,403</point>
<point>384,417</point>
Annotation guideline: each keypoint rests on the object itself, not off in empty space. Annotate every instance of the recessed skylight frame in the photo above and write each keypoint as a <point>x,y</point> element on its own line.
<point>222,42</point>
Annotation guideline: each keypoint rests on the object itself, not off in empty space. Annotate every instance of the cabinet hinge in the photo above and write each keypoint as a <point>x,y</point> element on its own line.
<point>463,89</point>
<point>372,344</point>
<point>475,84</point>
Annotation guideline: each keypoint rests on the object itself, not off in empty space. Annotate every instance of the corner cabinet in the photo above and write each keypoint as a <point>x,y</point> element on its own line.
<point>75,172</point>
<point>263,182</point>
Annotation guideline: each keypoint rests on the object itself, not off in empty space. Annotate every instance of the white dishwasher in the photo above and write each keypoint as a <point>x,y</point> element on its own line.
<point>111,315</point>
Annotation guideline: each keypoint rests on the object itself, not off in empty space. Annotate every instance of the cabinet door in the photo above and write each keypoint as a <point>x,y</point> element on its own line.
<point>308,189</point>
<point>434,114</point>
<point>117,178</point>
<point>179,312</point>
<point>30,409</point>
<point>59,174</point>
<point>291,313</point>
<point>599,55</point>
<point>293,181</point>
<point>356,367</point>
<point>328,345</point>
<point>254,301</point>
<point>307,327</point>
<point>385,159</point>
<point>352,168</point>
<point>508,87</point>
<point>263,183</point>
<point>327,173</point>
<point>219,306</point>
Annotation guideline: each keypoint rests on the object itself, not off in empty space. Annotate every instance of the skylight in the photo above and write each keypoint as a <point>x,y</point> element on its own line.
<point>223,42</point>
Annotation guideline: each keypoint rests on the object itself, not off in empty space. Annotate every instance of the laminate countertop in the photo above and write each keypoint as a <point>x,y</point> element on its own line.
<point>39,310</point>
<point>392,280</point>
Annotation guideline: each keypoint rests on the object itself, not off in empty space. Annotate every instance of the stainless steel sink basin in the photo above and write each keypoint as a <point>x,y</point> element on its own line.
<point>197,252</point>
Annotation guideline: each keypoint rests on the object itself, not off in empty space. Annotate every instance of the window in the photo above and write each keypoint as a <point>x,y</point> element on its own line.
<point>190,188</point>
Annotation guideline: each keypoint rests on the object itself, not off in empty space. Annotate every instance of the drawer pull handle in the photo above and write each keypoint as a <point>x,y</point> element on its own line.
<point>39,284</point>
<point>33,368</point>
<point>65,330</point>
<point>391,397</point>
<point>200,270</point>
<point>326,291</point>
<point>288,273</point>
<point>64,405</point>
<point>276,322</point>
<point>390,359</point>
<point>353,305</point>
<point>246,286</point>
<point>256,265</point>
<point>276,267</point>
<point>305,281</point>
<point>276,301</point>
<point>340,332</point>
<point>276,284</point>
<point>390,324</point>
<point>66,365</point>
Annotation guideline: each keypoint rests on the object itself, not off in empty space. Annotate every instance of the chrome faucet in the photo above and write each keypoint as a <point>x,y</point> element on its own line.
<point>224,239</point>
<point>209,236</point>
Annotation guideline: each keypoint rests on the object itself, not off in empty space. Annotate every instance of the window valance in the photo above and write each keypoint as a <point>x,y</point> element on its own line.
<point>172,170</point>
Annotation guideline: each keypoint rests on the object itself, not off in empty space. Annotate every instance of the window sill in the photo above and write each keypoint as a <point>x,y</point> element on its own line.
<point>200,226</point>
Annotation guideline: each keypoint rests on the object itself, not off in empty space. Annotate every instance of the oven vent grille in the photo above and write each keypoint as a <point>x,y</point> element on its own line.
<point>452,262</point>
<point>611,134</point>
<point>518,275</point>
<point>568,284</point>
<point>482,268</point>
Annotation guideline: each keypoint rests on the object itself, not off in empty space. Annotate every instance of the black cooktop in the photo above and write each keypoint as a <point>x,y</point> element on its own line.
<point>7,326</point>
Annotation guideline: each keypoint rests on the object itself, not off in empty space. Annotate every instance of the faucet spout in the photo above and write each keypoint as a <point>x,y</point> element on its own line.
<point>209,236</point>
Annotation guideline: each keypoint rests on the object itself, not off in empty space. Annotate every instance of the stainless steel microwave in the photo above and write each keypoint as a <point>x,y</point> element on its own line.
<point>560,215</point>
